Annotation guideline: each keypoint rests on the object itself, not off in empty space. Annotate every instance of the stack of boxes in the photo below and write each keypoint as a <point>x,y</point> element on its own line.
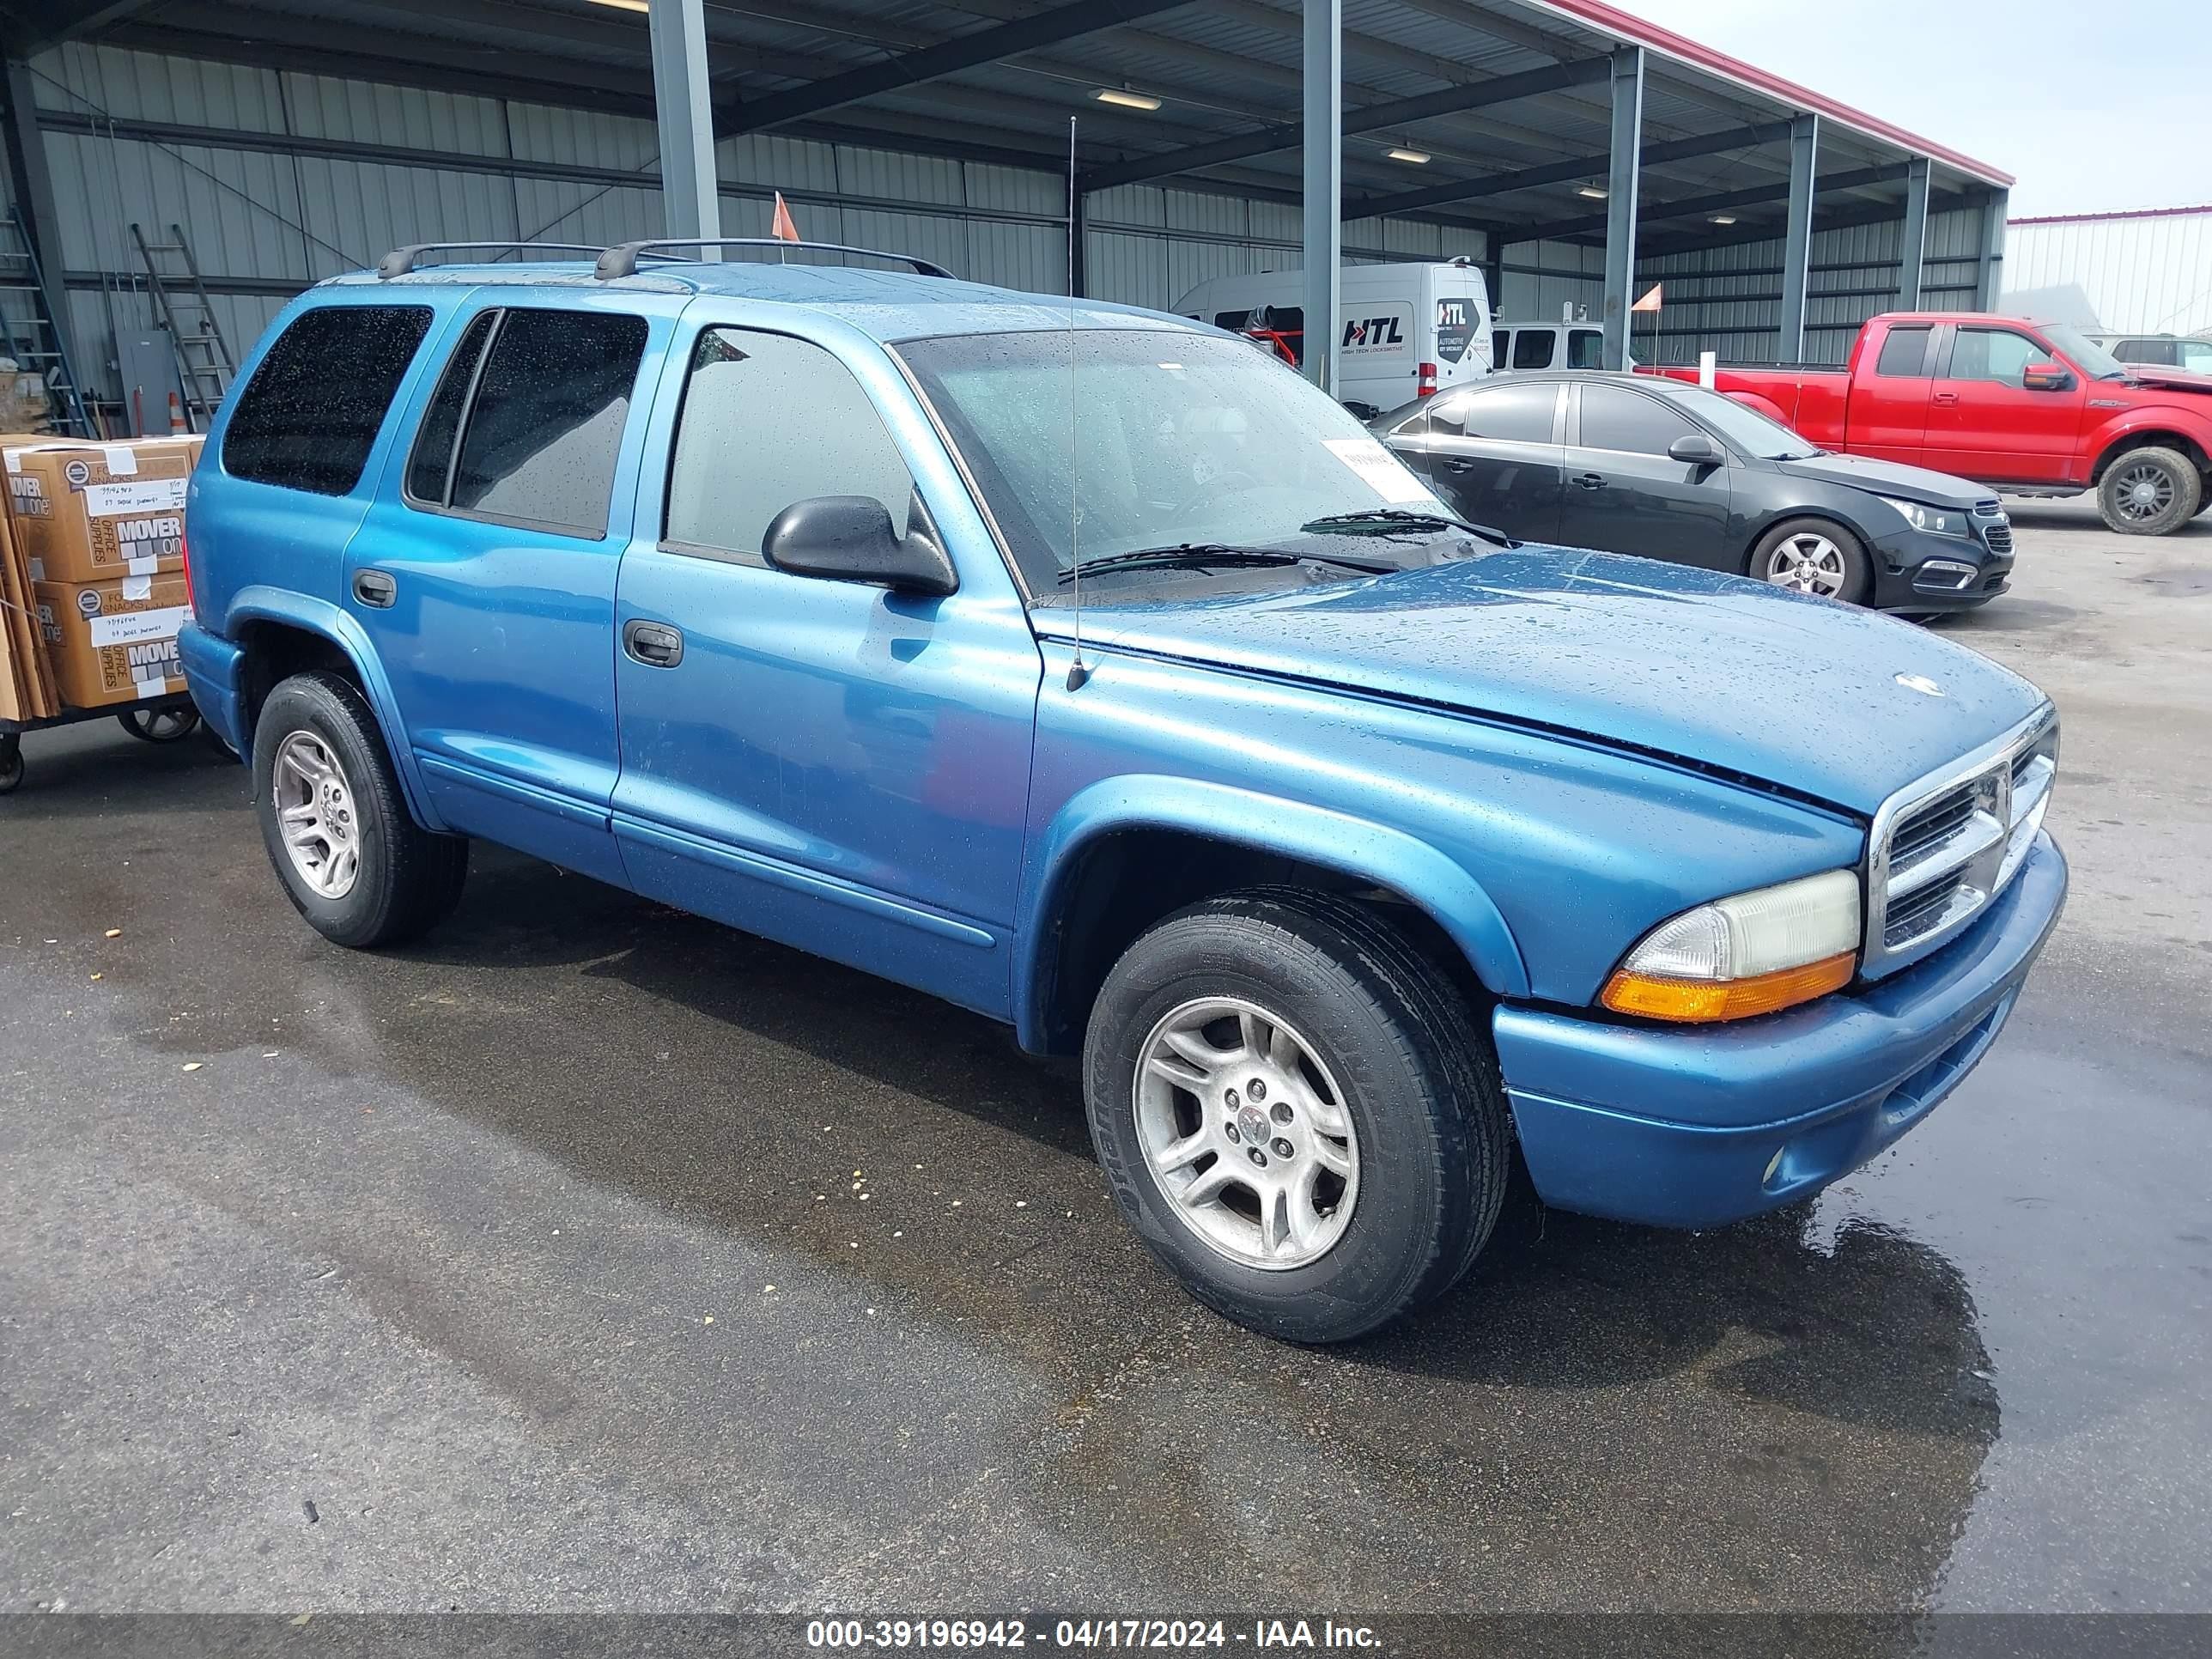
<point>95,540</point>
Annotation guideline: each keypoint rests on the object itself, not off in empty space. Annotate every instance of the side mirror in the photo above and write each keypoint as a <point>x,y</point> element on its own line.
<point>849,538</point>
<point>2045,377</point>
<point>1695,449</point>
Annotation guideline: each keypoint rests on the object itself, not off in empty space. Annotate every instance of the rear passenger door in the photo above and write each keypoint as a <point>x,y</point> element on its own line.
<point>825,763</point>
<point>1494,454</point>
<point>484,573</point>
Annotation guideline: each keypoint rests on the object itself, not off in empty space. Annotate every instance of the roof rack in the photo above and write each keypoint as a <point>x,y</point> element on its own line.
<point>402,260</point>
<point>620,260</point>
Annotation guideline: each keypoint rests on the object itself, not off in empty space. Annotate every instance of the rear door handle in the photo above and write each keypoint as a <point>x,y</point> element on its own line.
<point>1591,480</point>
<point>376,588</point>
<point>1459,466</point>
<point>655,644</point>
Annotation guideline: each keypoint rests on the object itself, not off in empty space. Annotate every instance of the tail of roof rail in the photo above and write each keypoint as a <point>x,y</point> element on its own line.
<point>620,260</point>
<point>402,260</point>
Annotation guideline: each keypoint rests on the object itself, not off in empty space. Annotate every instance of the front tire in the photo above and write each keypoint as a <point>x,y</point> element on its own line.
<point>1812,556</point>
<point>352,860</point>
<point>1296,1111</point>
<point>2149,492</point>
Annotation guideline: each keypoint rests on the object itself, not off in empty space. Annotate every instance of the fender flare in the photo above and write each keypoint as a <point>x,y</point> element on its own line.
<point>2136,423</point>
<point>261,603</point>
<point>1356,846</point>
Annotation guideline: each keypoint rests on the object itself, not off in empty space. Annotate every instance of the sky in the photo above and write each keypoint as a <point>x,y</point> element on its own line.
<point>2095,108</point>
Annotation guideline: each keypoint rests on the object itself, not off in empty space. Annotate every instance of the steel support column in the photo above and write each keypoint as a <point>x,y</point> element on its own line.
<point>1989,273</point>
<point>1912,253</point>
<point>684,111</point>
<point>1797,243</point>
<point>1324,187</point>
<point>32,184</point>
<point>1620,201</point>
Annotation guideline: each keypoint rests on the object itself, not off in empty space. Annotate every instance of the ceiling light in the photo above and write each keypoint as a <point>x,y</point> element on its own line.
<point>1596,193</point>
<point>1723,218</point>
<point>1124,99</point>
<point>1418,157</point>
<point>624,5</point>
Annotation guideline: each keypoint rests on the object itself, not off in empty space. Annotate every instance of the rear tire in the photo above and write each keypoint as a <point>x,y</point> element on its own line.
<point>352,860</point>
<point>2149,492</point>
<point>1381,1105</point>
<point>1813,555</point>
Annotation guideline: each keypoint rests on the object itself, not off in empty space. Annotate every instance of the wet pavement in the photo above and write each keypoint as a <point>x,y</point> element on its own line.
<point>590,1255</point>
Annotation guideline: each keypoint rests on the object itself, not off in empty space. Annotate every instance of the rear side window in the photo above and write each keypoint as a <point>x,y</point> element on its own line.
<point>539,399</point>
<point>768,421</point>
<point>1586,348</point>
<point>1532,348</point>
<point>1499,339</point>
<point>1905,354</point>
<point>1505,414</point>
<point>310,414</point>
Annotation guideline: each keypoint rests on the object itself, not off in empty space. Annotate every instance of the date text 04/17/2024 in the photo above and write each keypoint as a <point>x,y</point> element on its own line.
<point>1087,1634</point>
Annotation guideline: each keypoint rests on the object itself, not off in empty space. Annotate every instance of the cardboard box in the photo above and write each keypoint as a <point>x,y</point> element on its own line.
<point>26,682</point>
<point>89,512</point>
<point>115,641</point>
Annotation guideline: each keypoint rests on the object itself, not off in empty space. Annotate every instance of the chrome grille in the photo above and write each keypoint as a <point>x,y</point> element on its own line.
<point>1993,526</point>
<point>1944,846</point>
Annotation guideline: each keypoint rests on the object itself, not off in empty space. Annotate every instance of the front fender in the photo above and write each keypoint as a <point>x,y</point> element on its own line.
<point>1266,823</point>
<point>329,621</point>
<point>2155,418</point>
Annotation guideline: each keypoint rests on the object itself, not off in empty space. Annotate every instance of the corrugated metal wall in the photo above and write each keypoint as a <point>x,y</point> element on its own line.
<point>2139,276</point>
<point>1728,300</point>
<point>264,221</point>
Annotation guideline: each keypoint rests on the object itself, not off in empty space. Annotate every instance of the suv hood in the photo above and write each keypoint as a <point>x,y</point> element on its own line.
<point>1912,483</point>
<point>1717,671</point>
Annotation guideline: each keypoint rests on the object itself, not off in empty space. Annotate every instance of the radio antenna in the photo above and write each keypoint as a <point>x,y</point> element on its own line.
<point>1078,672</point>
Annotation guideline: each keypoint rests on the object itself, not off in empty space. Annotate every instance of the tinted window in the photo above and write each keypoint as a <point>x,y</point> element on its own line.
<point>1499,338</point>
<point>1616,419</point>
<point>310,414</point>
<point>1994,353</point>
<point>1504,414</point>
<point>428,467</point>
<point>1586,348</point>
<point>2148,351</point>
<point>546,423</point>
<point>1532,348</point>
<point>769,421</point>
<point>1905,353</point>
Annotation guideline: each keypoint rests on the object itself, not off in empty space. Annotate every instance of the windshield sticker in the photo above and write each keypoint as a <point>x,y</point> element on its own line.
<point>1378,469</point>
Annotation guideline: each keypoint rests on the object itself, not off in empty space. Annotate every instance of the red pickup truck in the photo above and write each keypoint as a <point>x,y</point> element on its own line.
<point>2028,407</point>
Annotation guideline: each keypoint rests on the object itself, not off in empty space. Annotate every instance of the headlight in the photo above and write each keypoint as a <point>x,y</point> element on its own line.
<point>1752,954</point>
<point>1936,520</point>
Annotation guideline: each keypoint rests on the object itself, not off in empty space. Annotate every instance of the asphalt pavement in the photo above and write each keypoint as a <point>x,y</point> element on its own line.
<point>591,1257</point>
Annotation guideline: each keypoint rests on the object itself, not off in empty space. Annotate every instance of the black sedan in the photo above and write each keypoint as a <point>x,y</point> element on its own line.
<point>1635,464</point>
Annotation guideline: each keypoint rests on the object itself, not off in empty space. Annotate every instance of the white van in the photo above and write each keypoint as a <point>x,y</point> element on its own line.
<point>1574,343</point>
<point>1408,330</point>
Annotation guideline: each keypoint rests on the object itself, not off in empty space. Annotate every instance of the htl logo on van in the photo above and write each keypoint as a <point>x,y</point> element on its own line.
<point>1373,332</point>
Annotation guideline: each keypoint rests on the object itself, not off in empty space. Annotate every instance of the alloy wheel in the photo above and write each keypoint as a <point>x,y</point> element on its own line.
<point>1247,1133</point>
<point>315,815</point>
<point>2144,491</point>
<point>1807,562</point>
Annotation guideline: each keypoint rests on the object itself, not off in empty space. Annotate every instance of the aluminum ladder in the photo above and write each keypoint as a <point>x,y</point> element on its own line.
<point>36,338</point>
<point>181,306</point>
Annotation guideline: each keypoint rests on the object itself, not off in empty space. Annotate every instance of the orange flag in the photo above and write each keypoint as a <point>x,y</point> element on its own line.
<point>784,230</point>
<point>1650,301</point>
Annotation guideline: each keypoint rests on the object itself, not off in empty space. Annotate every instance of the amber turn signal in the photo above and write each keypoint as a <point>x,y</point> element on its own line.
<point>1652,996</point>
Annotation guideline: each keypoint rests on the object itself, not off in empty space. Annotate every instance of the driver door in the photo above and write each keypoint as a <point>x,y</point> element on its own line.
<point>825,763</point>
<point>1983,422</point>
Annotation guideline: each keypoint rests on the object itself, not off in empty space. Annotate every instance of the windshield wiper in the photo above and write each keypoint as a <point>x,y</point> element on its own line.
<point>1215,553</point>
<point>1401,517</point>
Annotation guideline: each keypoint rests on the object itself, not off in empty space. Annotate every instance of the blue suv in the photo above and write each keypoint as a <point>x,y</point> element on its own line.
<point>1081,666</point>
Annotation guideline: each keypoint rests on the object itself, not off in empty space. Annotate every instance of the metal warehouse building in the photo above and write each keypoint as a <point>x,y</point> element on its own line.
<point>2145,272</point>
<point>1573,151</point>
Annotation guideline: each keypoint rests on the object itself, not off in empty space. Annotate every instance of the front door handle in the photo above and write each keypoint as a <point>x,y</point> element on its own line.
<point>1946,398</point>
<point>376,588</point>
<point>1459,466</point>
<point>1591,480</point>
<point>655,644</point>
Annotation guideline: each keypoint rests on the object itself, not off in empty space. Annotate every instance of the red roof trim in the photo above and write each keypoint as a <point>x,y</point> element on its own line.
<point>1612,21</point>
<point>2125,213</point>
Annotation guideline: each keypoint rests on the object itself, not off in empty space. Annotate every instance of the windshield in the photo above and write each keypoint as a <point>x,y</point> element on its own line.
<point>2089,357</point>
<point>1745,429</point>
<point>1160,438</point>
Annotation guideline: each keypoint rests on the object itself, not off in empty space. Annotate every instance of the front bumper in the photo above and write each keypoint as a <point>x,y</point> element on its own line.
<point>1694,1126</point>
<point>1916,571</point>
